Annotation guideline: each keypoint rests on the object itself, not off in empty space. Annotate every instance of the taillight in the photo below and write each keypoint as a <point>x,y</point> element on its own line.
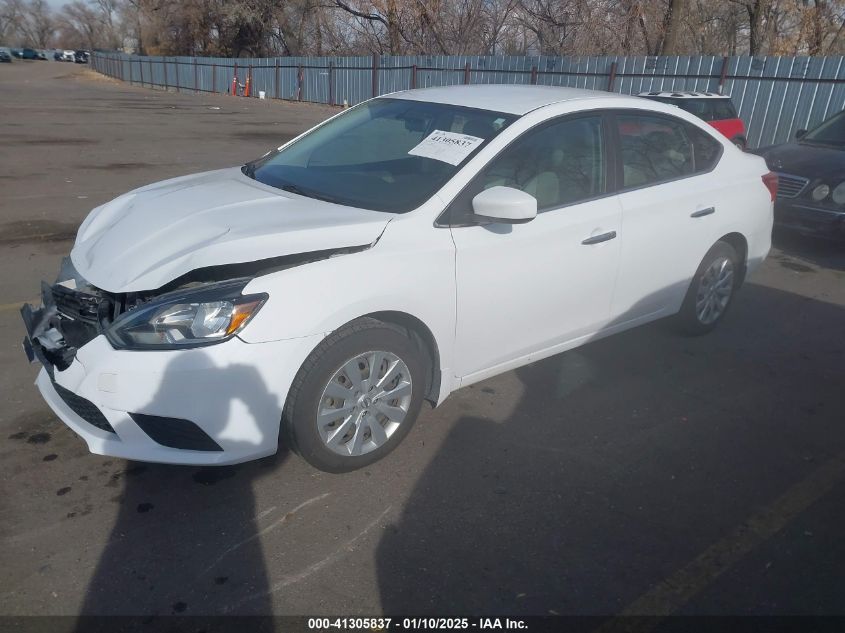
<point>771,182</point>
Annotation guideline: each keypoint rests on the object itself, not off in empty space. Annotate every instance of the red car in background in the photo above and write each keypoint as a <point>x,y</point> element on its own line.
<point>714,108</point>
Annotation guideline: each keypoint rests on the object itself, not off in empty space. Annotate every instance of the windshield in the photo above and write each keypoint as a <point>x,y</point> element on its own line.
<point>386,154</point>
<point>831,132</point>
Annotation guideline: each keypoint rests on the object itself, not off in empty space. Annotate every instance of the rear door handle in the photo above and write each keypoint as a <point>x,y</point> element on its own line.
<point>598,239</point>
<point>702,212</point>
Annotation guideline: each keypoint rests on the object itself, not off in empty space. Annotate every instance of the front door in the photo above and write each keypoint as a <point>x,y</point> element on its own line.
<point>526,288</point>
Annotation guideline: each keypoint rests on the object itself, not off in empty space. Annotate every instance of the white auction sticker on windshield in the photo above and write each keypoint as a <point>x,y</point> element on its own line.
<point>448,147</point>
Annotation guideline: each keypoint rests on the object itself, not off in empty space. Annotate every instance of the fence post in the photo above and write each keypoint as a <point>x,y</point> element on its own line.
<point>166,80</point>
<point>150,66</point>
<point>248,85</point>
<point>612,78</point>
<point>196,77</point>
<point>375,74</point>
<point>331,83</point>
<point>723,74</point>
<point>278,80</point>
<point>178,81</point>
<point>466,73</point>
<point>122,70</point>
<point>214,78</point>
<point>413,76</point>
<point>299,83</point>
<point>533,74</point>
<point>141,68</point>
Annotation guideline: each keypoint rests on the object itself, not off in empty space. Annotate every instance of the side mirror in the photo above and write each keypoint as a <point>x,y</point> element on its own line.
<point>505,204</point>
<point>800,133</point>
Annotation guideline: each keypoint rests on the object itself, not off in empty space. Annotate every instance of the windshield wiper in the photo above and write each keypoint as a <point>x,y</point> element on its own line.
<point>307,193</point>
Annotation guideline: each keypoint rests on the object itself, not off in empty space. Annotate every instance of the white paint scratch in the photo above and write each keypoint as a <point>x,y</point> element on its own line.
<point>332,558</point>
<point>280,521</point>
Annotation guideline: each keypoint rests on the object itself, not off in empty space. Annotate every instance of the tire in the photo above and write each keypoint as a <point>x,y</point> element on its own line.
<point>715,282</point>
<point>320,387</point>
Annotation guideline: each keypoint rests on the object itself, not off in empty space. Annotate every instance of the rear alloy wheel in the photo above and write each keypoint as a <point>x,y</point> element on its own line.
<point>356,396</point>
<point>711,291</point>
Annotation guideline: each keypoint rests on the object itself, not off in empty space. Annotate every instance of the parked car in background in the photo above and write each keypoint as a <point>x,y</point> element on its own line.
<point>718,110</point>
<point>29,53</point>
<point>5,56</point>
<point>409,246</point>
<point>42,55</point>
<point>811,171</point>
<point>68,56</point>
<point>81,57</point>
<point>57,56</point>
<point>17,52</point>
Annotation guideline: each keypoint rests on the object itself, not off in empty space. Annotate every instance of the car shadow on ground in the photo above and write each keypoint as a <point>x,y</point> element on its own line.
<point>622,461</point>
<point>185,539</point>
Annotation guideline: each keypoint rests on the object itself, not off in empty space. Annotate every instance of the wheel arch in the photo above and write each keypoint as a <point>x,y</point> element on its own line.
<point>740,245</point>
<point>424,338</point>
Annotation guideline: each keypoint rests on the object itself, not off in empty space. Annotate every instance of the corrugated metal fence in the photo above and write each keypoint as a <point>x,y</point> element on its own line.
<point>774,95</point>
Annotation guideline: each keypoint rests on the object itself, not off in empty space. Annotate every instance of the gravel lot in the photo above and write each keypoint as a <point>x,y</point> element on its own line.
<point>645,473</point>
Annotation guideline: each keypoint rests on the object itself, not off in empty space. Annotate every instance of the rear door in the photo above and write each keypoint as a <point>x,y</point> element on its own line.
<point>669,203</point>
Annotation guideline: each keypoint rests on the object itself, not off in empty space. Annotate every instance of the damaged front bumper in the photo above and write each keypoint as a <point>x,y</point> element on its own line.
<point>214,405</point>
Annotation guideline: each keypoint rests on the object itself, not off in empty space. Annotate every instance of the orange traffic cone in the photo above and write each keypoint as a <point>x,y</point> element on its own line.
<point>246,87</point>
<point>235,86</point>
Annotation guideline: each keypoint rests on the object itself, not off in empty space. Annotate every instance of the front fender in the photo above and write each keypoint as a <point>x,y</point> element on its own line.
<point>401,273</point>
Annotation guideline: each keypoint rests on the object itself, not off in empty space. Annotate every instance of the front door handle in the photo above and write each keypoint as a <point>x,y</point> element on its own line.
<point>702,212</point>
<point>598,239</point>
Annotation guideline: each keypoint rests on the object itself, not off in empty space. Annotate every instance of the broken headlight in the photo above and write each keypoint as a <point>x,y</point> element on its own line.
<point>208,315</point>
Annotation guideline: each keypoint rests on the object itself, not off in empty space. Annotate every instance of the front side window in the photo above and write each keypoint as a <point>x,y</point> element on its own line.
<point>385,155</point>
<point>559,164</point>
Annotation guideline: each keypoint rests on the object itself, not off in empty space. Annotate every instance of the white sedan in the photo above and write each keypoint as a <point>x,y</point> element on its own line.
<point>415,244</point>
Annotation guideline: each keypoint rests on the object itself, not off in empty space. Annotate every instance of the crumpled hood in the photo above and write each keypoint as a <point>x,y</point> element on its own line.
<point>150,236</point>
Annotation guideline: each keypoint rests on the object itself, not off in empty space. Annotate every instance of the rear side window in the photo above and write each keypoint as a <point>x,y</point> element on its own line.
<point>657,149</point>
<point>706,150</point>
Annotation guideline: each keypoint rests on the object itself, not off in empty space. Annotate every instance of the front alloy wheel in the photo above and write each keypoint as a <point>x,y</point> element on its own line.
<point>364,403</point>
<point>356,396</point>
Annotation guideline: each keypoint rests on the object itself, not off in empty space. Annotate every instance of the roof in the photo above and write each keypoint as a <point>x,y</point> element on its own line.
<point>684,94</point>
<point>513,99</point>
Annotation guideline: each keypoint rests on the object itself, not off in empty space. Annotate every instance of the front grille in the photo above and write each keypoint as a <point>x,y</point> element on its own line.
<point>175,432</point>
<point>76,305</point>
<point>790,186</point>
<point>85,409</point>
